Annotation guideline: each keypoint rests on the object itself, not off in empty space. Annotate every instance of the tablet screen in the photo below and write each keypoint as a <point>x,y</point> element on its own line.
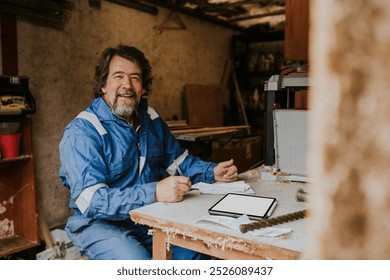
<point>235,205</point>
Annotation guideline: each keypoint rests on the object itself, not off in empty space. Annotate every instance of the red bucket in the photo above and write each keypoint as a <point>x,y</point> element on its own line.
<point>9,145</point>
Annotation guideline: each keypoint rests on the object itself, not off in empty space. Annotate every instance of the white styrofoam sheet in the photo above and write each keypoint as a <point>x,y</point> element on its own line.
<point>290,134</point>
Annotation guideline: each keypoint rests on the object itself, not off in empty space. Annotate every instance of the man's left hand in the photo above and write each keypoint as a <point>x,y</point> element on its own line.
<point>225,171</point>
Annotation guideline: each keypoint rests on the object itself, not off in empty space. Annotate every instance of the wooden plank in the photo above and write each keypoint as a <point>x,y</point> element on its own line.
<point>44,231</point>
<point>206,136</point>
<point>213,243</point>
<point>226,74</point>
<point>14,244</point>
<point>208,249</point>
<point>297,30</point>
<point>209,129</point>
<point>160,251</point>
<point>203,105</point>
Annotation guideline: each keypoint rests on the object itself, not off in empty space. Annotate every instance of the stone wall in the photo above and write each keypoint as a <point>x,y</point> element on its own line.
<point>60,65</point>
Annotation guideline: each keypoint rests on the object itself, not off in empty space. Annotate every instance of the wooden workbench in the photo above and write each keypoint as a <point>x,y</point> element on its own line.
<point>176,223</point>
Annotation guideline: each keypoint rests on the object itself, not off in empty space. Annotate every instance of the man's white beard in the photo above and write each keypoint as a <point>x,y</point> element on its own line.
<point>124,110</point>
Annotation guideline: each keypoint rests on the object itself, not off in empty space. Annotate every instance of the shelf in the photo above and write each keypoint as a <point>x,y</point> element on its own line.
<point>8,161</point>
<point>16,112</point>
<point>8,112</point>
<point>18,209</point>
<point>14,244</point>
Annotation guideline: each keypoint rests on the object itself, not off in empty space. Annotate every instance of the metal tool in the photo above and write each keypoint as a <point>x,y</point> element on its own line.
<point>301,195</point>
<point>273,221</point>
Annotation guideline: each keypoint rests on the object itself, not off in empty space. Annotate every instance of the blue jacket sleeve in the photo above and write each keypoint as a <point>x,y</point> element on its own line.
<point>84,169</point>
<point>197,169</point>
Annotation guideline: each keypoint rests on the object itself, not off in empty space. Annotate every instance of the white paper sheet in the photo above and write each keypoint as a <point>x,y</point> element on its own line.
<point>224,188</point>
<point>234,223</point>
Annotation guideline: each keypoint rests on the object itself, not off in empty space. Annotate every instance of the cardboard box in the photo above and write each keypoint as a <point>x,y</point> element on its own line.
<point>246,151</point>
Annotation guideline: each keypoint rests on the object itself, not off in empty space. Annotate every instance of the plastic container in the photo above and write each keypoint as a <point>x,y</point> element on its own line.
<point>10,145</point>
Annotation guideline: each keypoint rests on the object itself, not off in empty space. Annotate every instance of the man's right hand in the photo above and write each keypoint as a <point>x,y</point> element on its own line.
<point>172,189</point>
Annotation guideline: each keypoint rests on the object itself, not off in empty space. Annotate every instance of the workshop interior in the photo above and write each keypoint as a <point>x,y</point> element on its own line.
<point>230,79</point>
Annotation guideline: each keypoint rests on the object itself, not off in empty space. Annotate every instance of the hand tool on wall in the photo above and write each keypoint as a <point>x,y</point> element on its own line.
<point>174,16</point>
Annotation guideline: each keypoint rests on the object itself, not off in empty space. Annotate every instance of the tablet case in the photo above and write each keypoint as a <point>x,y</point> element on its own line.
<point>236,205</point>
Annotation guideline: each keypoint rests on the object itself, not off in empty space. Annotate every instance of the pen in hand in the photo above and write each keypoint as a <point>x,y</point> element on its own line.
<point>181,174</point>
<point>179,170</point>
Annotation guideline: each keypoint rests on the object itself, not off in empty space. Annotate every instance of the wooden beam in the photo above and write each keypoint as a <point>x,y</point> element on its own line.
<point>160,251</point>
<point>9,45</point>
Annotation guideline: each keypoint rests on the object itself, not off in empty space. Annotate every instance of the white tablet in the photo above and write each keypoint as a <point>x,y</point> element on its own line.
<point>235,205</point>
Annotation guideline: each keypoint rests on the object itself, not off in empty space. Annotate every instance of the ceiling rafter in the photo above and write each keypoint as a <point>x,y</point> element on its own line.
<point>279,12</point>
<point>227,4</point>
<point>239,15</point>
